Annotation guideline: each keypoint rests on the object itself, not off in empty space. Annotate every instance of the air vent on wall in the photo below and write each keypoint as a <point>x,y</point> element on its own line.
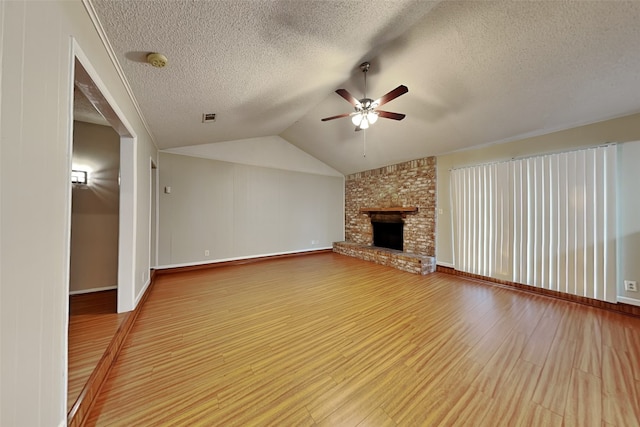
<point>208,117</point>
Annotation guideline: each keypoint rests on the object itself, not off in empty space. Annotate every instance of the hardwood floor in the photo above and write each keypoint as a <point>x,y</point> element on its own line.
<point>93,321</point>
<point>334,341</point>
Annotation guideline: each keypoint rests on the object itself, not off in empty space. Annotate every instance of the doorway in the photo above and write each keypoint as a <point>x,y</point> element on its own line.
<point>153,215</point>
<point>87,81</point>
<point>95,200</point>
<point>112,194</point>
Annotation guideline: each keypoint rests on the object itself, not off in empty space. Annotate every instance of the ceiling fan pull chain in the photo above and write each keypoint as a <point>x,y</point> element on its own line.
<point>364,143</point>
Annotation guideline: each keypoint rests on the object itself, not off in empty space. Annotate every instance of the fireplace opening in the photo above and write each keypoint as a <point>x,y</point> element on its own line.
<point>388,231</point>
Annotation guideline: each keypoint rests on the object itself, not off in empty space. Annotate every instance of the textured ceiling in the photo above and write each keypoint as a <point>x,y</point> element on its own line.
<point>478,72</point>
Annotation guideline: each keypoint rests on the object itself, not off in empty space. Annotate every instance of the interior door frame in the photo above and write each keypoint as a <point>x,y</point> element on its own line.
<point>153,213</point>
<point>92,86</point>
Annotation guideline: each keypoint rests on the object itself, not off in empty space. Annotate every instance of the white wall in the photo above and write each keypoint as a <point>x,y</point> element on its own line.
<point>239,211</point>
<point>622,130</point>
<point>629,217</point>
<point>143,220</point>
<point>35,198</point>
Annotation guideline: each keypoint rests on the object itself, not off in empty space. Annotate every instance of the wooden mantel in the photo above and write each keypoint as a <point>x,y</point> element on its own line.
<point>403,210</point>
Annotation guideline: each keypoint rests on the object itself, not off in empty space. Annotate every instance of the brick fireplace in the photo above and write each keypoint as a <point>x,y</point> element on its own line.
<point>405,191</point>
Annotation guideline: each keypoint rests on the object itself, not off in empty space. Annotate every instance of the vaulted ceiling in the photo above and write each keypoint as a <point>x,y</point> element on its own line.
<point>478,72</point>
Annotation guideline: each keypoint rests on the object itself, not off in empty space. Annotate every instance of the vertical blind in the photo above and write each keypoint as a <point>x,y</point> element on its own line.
<point>546,221</point>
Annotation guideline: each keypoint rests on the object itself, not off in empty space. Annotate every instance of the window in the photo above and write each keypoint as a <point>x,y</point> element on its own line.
<point>546,221</point>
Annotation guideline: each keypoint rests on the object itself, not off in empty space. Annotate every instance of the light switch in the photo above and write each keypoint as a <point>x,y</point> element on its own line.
<point>167,190</point>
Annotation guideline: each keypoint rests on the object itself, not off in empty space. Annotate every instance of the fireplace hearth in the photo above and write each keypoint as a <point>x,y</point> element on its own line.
<point>412,263</point>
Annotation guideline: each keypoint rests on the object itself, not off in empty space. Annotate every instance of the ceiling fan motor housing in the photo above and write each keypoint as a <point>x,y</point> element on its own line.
<point>366,104</point>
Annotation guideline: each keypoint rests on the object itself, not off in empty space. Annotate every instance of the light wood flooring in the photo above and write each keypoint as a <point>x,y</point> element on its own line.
<point>93,320</point>
<point>334,341</point>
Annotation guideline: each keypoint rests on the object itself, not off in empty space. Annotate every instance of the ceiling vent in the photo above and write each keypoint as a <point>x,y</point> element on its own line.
<point>208,117</point>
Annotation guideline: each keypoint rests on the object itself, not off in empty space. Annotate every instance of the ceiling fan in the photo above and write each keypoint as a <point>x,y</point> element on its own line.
<point>366,109</point>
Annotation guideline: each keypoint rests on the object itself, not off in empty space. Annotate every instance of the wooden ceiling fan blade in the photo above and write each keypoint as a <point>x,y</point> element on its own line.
<point>390,115</point>
<point>350,98</point>
<point>339,116</point>
<point>400,90</point>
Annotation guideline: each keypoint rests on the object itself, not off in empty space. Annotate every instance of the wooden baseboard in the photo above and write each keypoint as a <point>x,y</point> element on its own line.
<point>239,261</point>
<point>627,309</point>
<point>83,404</point>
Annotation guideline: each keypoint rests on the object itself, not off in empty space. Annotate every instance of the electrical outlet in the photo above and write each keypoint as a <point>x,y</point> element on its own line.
<point>206,252</point>
<point>631,285</point>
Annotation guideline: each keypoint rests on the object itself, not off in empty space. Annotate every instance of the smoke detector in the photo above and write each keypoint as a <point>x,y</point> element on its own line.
<point>158,60</point>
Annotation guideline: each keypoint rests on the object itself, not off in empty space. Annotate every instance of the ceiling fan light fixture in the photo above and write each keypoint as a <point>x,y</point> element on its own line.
<point>372,117</point>
<point>356,119</point>
<point>364,124</point>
